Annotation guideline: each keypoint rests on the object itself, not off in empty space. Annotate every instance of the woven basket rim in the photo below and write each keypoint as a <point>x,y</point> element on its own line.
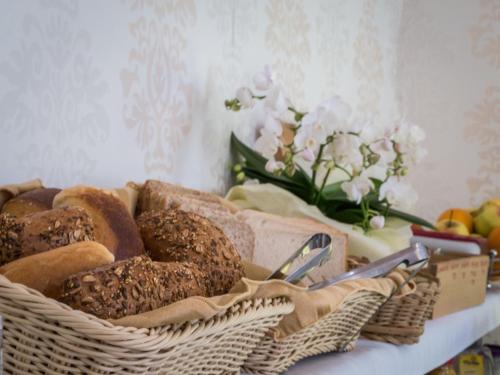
<point>34,302</point>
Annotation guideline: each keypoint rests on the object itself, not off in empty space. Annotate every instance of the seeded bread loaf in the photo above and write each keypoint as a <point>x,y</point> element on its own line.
<point>113,224</point>
<point>156,195</point>
<point>178,236</point>
<point>42,231</point>
<point>30,202</point>
<point>47,271</point>
<point>132,286</point>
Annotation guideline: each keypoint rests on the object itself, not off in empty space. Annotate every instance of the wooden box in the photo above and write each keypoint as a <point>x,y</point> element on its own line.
<point>463,281</point>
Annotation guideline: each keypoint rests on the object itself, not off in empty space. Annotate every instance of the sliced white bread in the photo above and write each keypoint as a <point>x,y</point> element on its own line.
<point>277,238</point>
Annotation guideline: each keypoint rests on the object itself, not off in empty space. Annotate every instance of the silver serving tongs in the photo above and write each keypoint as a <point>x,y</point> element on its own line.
<point>413,255</point>
<point>314,253</point>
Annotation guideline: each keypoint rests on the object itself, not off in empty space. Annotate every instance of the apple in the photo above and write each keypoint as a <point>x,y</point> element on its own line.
<point>487,217</point>
<point>452,226</point>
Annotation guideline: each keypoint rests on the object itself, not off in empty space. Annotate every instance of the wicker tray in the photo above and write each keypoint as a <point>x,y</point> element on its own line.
<point>336,332</point>
<point>43,336</point>
<point>401,320</point>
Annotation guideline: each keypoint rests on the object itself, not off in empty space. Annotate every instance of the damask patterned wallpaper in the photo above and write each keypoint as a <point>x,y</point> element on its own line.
<point>104,92</point>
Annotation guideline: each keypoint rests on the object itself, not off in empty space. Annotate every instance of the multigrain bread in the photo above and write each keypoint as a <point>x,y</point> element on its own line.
<point>132,286</point>
<point>277,237</point>
<point>43,231</point>
<point>156,195</point>
<point>178,236</point>
<point>113,225</point>
<point>32,201</point>
<point>47,271</point>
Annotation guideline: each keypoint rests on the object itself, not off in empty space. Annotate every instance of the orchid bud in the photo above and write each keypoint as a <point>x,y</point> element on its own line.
<point>237,168</point>
<point>377,222</point>
<point>307,154</point>
<point>240,177</point>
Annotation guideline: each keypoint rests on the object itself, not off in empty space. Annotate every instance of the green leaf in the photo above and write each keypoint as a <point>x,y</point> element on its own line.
<point>257,162</point>
<point>349,216</point>
<point>334,192</point>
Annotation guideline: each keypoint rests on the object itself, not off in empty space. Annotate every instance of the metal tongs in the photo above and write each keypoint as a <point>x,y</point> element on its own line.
<point>416,254</point>
<point>314,253</point>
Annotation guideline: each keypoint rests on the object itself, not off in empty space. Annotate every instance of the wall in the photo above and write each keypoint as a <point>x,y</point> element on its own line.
<point>103,92</point>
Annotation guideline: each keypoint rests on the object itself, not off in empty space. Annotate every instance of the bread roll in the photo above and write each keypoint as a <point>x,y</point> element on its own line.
<point>42,231</point>
<point>178,236</point>
<point>113,225</point>
<point>155,195</point>
<point>47,271</point>
<point>30,202</point>
<point>277,237</point>
<point>132,286</point>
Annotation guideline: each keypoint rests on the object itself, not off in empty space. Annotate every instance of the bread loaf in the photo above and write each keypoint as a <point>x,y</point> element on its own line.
<point>30,202</point>
<point>47,271</point>
<point>113,225</point>
<point>278,237</point>
<point>178,236</point>
<point>155,195</point>
<point>42,231</point>
<point>132,286</point>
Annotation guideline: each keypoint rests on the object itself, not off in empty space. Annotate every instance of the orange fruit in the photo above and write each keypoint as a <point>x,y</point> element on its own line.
<point>458,214</point>
<point>494,243</point>
<point>494,239</point>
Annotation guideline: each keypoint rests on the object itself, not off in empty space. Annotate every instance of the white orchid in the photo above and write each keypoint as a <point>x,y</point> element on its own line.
<point>345,151</point>
<point>272,165</point>
<point>330,139</point>
<point>245,97</point>
<point>264,80</point>
<point>397,192</point>
<point>408,138</point>
<point>268,143</point>
<point>357,188</point>
<point>377,222</point>
<point>276,102</point>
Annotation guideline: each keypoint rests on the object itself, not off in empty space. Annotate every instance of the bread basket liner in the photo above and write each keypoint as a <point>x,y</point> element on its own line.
<point>310,306</point>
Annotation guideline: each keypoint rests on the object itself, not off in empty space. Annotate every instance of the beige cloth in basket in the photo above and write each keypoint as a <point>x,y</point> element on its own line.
<point>310,306</point>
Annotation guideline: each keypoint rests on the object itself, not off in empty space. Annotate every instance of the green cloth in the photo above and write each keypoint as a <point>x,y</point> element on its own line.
<point>272,199</point>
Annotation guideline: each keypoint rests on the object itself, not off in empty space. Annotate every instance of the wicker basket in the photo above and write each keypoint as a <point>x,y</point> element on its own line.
<point>401,320</point>
<point>336,332</point>
<point>42,336</point>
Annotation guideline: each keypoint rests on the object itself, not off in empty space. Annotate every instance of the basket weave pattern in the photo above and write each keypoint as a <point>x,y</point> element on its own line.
<point>43,336</point>
<point>401,320</point>
<point>338,331</point>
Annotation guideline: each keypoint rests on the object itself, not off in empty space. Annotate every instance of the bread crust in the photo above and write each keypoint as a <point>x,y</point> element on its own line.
<point>47,271</point>
<point>32,201</point>
<point>42,231</point>
<point>131,287</point>
<point>114,226</point>
<point>178,236</point>
<point>155,195</point>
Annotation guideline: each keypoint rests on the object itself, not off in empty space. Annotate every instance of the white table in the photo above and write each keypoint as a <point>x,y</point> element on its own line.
<point>443,339</point>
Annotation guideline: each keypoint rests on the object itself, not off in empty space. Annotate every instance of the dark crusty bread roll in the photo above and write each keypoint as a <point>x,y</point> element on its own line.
<point>113,225</point>
<point>30,202</point>
<point>131,287</point>
<point>42,231</point>
<point>178,236</point>
<point>47,271</point>
<point>156,195</point>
